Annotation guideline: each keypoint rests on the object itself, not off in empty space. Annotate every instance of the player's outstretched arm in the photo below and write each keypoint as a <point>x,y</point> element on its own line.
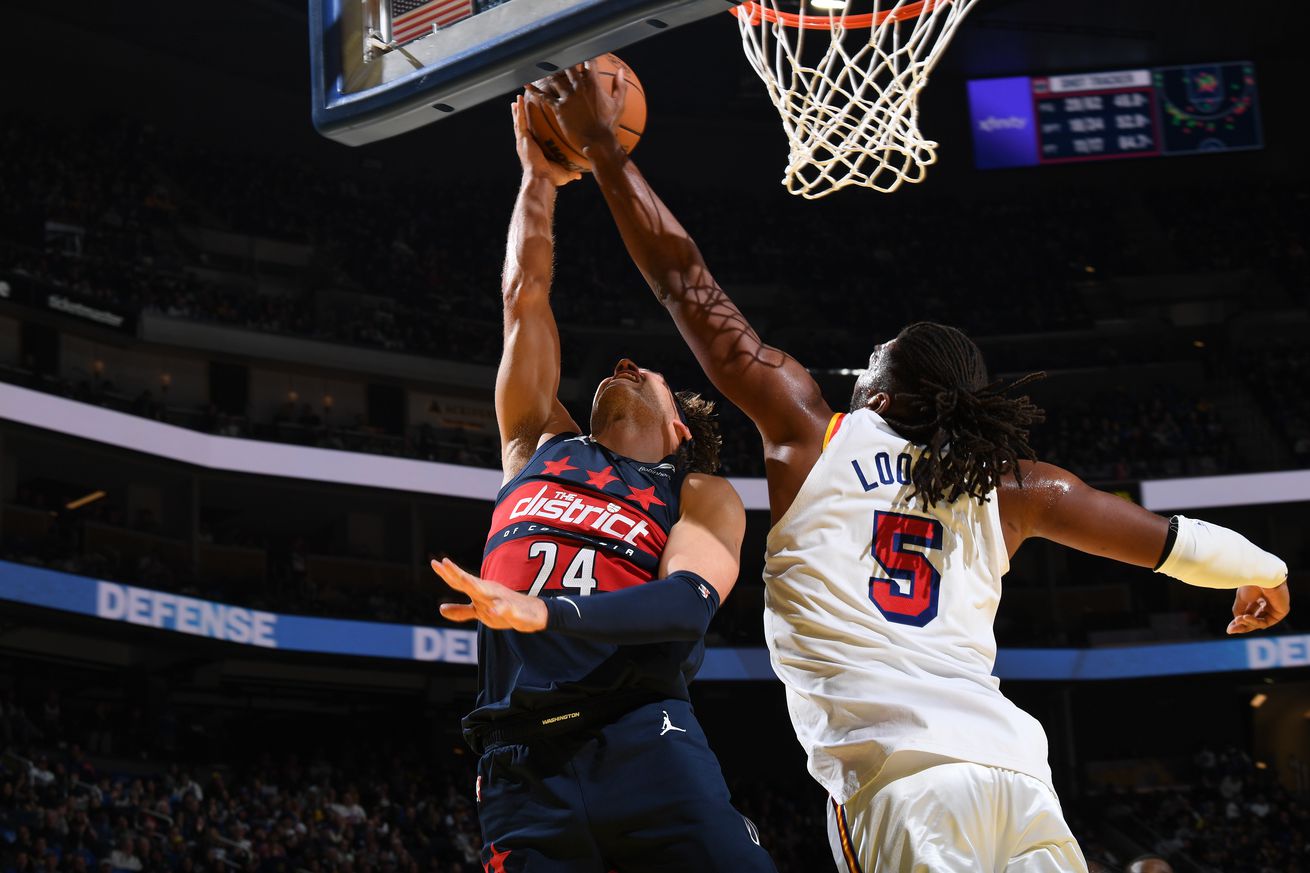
<point>767,384</point>
<point>527,382</point>
<point>698,568</point>
<point>1056,505</point>
<point>707,537</point>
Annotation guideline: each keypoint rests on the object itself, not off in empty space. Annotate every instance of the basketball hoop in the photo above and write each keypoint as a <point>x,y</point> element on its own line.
<point>847,87</point>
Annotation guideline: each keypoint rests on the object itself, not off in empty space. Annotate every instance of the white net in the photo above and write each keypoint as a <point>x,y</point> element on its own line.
<point>847,87</point>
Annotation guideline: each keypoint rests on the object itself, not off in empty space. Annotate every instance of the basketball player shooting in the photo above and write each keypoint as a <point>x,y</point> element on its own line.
<point>893,525</point>
<point>607,557</point>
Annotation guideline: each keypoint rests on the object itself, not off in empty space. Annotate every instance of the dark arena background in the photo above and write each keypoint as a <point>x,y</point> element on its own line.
<point>245,393</point>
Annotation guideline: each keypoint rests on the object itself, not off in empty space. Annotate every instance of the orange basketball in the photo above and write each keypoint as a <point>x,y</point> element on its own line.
<point>629,127</point>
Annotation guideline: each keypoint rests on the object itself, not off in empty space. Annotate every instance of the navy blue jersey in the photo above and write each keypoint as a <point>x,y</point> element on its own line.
<point>579,520</point>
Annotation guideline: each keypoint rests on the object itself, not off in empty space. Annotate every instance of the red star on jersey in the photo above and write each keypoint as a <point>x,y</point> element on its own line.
<point>645,496</point>
<point>497,862</point>
<point>600,478</point>
<point>557,468</point>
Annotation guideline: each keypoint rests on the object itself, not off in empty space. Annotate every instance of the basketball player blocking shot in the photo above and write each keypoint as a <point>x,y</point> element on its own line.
<point>608,555</point>
<point>893,525</point>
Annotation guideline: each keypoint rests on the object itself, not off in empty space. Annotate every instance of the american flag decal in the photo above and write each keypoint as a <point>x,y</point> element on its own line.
<point>411,19</point>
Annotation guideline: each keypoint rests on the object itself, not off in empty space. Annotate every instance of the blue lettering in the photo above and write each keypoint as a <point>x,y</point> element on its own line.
<point>884,463</point>
<point>903,469</point>
<point>863,481</point>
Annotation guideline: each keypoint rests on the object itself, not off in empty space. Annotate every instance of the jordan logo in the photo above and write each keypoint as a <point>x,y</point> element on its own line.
<point>668,724</point>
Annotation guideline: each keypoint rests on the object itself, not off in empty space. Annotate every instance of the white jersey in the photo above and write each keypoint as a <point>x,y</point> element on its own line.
<point>878,616</point>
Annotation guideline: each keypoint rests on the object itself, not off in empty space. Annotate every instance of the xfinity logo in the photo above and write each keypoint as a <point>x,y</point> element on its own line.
<point>992,123</point>
<point>569,508</point>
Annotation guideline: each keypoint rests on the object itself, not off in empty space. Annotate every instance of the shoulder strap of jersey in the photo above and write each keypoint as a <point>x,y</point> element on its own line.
<point>834,425</point>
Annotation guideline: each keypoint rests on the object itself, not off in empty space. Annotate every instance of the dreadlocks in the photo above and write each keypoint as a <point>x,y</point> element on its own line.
<point>701,453</point>
<point>972,432</point>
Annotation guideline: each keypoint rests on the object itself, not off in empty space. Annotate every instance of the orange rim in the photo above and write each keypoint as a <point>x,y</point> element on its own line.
<point>758,11</point>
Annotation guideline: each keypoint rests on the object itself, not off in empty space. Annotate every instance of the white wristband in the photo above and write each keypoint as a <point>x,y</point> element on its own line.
<point>1210,556</point>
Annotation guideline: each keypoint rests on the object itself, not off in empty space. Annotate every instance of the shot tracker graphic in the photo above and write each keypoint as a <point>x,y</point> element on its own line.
<point>1023,121</point>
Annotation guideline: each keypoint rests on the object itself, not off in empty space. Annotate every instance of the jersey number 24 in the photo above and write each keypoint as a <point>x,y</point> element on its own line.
<point>580,573</point>
<point>906,591</point>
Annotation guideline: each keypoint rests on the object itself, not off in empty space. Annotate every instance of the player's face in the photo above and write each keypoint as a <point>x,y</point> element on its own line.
<point>630,384</point>
<point>875,378</point>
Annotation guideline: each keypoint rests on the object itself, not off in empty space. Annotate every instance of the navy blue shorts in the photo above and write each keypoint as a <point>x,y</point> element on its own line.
<point>641,794</point>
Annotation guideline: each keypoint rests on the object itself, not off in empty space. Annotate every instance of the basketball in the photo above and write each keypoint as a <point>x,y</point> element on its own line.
<point>630,125</point>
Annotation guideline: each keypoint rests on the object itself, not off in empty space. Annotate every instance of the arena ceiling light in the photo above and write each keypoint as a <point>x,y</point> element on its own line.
<point>85,499</point>
<point>828,4</point>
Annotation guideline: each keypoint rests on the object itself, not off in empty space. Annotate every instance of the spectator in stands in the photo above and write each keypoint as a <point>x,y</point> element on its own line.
<point>15,726</point>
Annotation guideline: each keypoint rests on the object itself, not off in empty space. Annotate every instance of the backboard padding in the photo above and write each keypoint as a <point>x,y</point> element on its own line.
<point>493,52</point>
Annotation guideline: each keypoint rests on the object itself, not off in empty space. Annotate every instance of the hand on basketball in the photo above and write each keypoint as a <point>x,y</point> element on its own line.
<point>587,106</point>
<point>493,604</point>
<point>533,159</point>
<point>1257,608</point>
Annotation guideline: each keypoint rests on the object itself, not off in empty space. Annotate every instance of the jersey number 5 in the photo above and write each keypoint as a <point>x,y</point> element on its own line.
<point>906,592</point>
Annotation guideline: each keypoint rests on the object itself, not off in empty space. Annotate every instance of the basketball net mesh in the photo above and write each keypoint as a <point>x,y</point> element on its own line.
<point>848,95</point>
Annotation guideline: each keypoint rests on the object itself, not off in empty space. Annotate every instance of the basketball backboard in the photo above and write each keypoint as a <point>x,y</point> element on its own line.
<point>384,67</point>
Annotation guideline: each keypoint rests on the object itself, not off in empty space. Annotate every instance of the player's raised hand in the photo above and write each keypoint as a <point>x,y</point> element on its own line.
<point>587,105</point>
<point>496,606</point>
<point>533,159</point>
<point>1257,608</point>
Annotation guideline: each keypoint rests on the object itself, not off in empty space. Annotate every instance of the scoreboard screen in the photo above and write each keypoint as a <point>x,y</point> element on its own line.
<point>1023,121</point>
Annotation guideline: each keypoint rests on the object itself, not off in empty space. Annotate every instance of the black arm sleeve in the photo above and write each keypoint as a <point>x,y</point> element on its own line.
<point>678,607</point>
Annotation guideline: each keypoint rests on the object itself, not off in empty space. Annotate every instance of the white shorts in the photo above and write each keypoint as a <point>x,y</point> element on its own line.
<point>929,813</point>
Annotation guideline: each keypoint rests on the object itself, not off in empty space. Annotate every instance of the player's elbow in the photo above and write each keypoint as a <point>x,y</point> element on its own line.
<point>521,291</point>
<point>672,267</point>
<point>672,287</point>
<point>691,628</point>
<point>689,606</point>
<point>663,290</point>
